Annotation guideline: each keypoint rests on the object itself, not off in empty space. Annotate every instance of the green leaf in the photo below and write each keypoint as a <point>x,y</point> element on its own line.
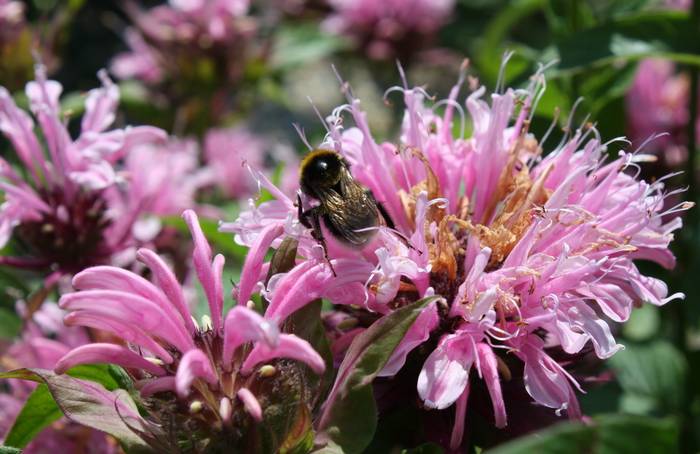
<point>38,412</point>
<point>654,371</point>
<point>9,450</point>
<point>90,404</point>
<point>73,104</point>
<point>667,34</point>
<point>99,373</point>
<point>643,324</point>
<point>607,434</point>
<point>10,324</point>
<point>301,44</point>
<point>603,85</point>
<point>489,54</point>
<point>283,260</point>
<point>349,416</point>
<point>120,376</point>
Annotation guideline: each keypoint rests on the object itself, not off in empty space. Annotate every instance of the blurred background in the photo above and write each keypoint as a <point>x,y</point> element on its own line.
<point>231,83</point>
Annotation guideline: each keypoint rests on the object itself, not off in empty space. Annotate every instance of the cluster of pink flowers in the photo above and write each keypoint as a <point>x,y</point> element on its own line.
<point>527,250</point>
<point>530,254</point>
<point>164,180</point>
<point>388,29</point>
<point>165,37</point>
<point>657,102</point>
<point>66,207</point>
<point>226,151</point>
<point>215,368</point>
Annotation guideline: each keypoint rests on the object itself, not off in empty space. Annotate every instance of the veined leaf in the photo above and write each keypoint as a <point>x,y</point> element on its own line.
<point>349,416</point>
<point>88,403</point>
<point>606,434</point>
<point>38,412</point>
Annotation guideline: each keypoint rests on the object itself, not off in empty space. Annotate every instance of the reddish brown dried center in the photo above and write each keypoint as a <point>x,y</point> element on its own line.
<point>72,234</point>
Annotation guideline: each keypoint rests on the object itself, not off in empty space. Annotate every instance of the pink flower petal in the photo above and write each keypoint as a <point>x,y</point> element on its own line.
<point>109,354</point>
<point>152,386</point>
<point>245,325</point>
<point>416,335</point>
<point>203,266</point>
<point>460,416</point>
<point>254,260</point>
<point>113,278</point>
<point>489,370</point>
<point>167,281</point>
<point>446,372</point>
<point>18,127</point>
<point>193,365</point>
<point>547,382</point>
<point>131,309</point>
<point>100,105</point>
<point>308,281</point>
<point>125,330</point>
<point>291,347</point>
<point>251,404</point>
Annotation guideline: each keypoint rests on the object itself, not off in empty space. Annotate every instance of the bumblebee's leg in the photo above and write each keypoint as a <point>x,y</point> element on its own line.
<point>311,218</point>
<point>390,222</point>
<point>303,215</point>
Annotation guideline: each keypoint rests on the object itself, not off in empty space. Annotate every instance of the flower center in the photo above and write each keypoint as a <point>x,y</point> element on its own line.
<point>214,416</point>
<point>72,234</point>
<point>517,200</point>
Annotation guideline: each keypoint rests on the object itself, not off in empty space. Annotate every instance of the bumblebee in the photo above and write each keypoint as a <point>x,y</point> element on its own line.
<point>349,210</point>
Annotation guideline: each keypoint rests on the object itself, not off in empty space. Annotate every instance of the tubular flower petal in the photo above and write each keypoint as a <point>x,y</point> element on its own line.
<point>251,404</point>
<point>194,364</point>
<point>203,266</point>
<point>107,353</point>
<point>289,346</point>
<point>243,325</point>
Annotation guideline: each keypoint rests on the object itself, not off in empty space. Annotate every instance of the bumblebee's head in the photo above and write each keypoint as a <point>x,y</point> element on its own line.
<point>320,169</point>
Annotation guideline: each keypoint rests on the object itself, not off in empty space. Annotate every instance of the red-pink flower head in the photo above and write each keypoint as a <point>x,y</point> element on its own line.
<point>226,151</point>
<point>229,152</point>
<point>163,180</point>
<point>170,40</point>
<point>656,103</point>
<point>11,20</point>
<point>213,378</point>
<point>391,28</point>
<point>530,253</point>
<point>61,207</point>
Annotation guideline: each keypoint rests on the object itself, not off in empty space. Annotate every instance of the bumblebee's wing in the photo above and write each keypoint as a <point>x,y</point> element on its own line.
<point>348,214</point>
